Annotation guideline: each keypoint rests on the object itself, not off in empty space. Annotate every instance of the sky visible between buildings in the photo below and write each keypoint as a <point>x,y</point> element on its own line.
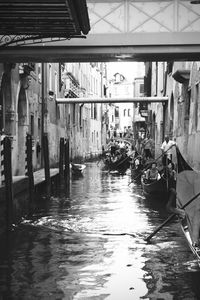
<point>129,70</point>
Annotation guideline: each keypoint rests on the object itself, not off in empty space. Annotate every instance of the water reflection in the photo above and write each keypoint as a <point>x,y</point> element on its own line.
<point>92,246</point>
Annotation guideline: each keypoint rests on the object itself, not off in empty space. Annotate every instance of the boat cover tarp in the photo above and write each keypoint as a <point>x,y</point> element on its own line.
<point>187,186</point>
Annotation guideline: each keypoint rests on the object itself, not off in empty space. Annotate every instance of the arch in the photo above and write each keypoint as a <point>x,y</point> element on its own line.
<point>22,129</point>
<point>2,104</point>
<point>6,105</point>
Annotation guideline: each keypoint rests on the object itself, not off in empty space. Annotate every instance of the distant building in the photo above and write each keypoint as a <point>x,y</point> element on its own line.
<point>121,121</point>
<point>139,113</point>
<point>84,120</point>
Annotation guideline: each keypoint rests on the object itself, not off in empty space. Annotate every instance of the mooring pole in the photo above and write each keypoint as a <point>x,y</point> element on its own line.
<point>67,167</point>
<point>29,170</point>
<point>8,181</point>
<point>46,164</point>
<point>61,160</point>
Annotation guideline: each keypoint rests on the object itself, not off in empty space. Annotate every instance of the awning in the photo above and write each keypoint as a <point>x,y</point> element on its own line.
<point>24,22</point>
<point>181,75</point>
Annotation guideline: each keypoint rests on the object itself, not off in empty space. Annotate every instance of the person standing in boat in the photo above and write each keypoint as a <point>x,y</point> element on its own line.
<point>167,150</point>
<point>147,147</point>
<point>171,175</point>
<point>152,174</point>
<point>112,147</point>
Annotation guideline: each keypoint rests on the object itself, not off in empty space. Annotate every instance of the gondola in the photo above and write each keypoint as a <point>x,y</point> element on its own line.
<point>120,165</point>
<point>195,250</point>
<point>117,160</point>
<point>138,165</point>
<point>157,188</point>
<point>77,169</point>
<point>187,187</point>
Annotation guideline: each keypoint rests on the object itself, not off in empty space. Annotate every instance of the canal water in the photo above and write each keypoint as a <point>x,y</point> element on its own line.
<point>92,246</point>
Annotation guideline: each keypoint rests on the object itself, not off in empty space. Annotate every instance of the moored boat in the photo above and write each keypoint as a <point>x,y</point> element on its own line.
<point>156,188</point>
<point>195,250</point>
<point>188,187</point>
<point>77,169</point>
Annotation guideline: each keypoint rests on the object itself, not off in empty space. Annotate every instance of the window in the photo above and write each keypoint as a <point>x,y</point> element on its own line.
<point>142,88</point>
<point>124,112</point>
<point>92,111</point>
<point>69,120</point>
<point>95,111</point>
<point>39,125</point>
<point>81,116</point>
<point>74,113</point>
<point>129,112</point>
<point>50,77</point>
<point>116,112</point>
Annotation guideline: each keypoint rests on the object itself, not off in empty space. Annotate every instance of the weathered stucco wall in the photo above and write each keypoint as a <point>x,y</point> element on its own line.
<point>182,116</point>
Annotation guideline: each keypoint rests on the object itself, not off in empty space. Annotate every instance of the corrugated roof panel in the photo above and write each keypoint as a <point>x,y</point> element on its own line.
<point>62,18</point>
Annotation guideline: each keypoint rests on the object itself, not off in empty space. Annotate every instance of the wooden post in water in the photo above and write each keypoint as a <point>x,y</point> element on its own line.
<point>67,167</point>
<point>61,160</point>
<point>8,181</point>
<point>29,170</point>
<point>46,164</point>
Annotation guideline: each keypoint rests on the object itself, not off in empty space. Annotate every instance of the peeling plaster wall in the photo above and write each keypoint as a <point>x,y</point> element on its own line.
<point>183,127</point>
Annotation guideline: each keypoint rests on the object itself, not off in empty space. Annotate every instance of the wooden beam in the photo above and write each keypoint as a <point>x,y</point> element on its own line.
<point>56,53</point>
<point>112,100</point>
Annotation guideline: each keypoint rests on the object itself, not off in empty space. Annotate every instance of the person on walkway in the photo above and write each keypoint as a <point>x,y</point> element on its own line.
<point>152,174</point>
<point>167,150</point>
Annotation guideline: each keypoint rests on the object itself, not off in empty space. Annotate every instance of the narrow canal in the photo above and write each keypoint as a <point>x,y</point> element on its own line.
<point>92,246</point>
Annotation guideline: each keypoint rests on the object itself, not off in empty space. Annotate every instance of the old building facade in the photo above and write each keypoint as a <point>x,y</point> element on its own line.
<point>180,116</point>
<point>28,94</point>
<point>121,114</point>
